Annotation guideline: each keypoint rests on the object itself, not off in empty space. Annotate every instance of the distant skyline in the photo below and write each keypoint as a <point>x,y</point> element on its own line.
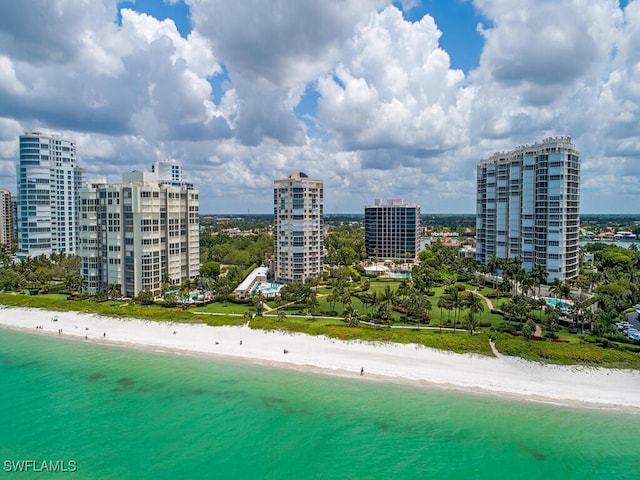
<point>378,99</point>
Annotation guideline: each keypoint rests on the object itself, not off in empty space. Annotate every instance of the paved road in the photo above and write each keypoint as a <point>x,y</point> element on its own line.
<point>633,319</point>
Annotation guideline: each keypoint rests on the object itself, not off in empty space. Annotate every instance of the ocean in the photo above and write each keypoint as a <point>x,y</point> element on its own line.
<point>108,412</point>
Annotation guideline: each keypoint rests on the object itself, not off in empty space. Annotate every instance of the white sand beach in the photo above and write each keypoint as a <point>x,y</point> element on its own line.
<point>412,364</point>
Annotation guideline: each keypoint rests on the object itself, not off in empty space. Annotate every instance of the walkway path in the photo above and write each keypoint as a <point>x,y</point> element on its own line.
<point>494,349</point>
<point>488,302</point>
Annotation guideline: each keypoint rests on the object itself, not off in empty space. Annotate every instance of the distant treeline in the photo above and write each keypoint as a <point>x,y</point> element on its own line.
<point>440,219</point>
<point>452,220</point>
<point>610,219</point>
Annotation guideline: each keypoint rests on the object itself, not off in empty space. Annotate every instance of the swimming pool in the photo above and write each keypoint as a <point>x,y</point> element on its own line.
<point>267,288</point>
<point>557,303</point>
<point>398,275</point>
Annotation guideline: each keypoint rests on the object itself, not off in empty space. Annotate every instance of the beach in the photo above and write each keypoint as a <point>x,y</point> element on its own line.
<point>364,361</point>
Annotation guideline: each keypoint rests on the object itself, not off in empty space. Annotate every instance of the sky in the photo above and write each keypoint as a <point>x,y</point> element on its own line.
<point>379,99</point>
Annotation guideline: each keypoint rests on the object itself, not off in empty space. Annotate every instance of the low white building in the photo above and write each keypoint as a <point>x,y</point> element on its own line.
<point>257,281</point>
<point>245,288</point>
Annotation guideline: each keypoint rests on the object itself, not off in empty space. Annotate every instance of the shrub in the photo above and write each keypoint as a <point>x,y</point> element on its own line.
<point>239,301</point>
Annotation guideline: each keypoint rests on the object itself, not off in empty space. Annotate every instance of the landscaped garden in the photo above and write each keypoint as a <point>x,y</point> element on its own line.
<point>445,303</point>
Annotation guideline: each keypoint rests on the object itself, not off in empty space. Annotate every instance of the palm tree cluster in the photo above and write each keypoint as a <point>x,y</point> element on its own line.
<point>456,300</point>
<point>298,292</point>
<point>41,272</point>
<point>508,276</point>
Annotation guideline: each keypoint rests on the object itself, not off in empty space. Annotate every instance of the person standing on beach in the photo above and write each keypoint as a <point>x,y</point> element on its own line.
<point>361,371</point>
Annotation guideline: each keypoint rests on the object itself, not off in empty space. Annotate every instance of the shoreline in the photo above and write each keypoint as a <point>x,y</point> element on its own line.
<point>402,364</point>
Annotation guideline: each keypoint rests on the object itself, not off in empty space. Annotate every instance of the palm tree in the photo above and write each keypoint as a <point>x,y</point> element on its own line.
<point>312,302</point>
<point>527,282</point>
<point>166,283</point>
<point>551,321</point>
<point>457,303</point>
<point>186,287</point>
<point>383,312</point>
<point>170,300</point>
<point>388,295</point>
<point>278,301</point>
<point>404,288</point>
<point>494,266</point>
<point>258,301</point>
<point>351,316</point>
<point>345,298</point>
<point>74,281</point>
<point>449,307</point>
<point>555,287</point>
<point>114,290</point>
<point>443,303</point>
<point>540,274</point>
<point>374,299</point>
<point>145,297</point>
<point>512,272</point>
<point>529,328</point>
<point>417,305</point>
<point>365,298</point>
<point>475,305</point>
<point>559,289</point>
<point>332,298</point>
<point>471,322</point>
<point>314,282</point>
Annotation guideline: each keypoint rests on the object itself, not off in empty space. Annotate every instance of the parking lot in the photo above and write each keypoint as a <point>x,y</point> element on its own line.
<point>631,328</point>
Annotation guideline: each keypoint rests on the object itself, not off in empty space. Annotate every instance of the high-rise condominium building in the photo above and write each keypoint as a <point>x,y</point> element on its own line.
<point>298,240</point>
<point>137,234</point>
<point>392,230</point>
<point>528,207</point>
<point>48,179</point>
<point>6,218</point>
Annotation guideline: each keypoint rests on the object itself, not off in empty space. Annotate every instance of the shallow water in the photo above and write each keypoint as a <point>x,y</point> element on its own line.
<point>124,413</point>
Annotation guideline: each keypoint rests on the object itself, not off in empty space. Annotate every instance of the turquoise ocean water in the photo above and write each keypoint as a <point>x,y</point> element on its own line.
<point>122,413</point>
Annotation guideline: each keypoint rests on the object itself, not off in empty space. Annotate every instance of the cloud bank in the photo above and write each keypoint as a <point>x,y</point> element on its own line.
<point>351,92</point>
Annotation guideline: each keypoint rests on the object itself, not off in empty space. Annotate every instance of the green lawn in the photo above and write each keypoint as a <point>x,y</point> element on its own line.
<point>227,307</point>
<point>114,309</point>
<point>460,342</point>
<point>575,352</point>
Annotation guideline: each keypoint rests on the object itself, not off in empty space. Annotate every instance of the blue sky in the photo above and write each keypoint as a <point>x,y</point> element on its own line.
<point>379,98</point>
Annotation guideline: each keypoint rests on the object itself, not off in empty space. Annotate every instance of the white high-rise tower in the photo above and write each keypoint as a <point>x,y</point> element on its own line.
<point>48,179</point>
<point>528,207</point>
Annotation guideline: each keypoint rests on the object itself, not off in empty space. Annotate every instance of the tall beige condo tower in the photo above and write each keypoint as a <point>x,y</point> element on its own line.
<point>138,234</point>
<point>298,240</point>
<point>6,218</point>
